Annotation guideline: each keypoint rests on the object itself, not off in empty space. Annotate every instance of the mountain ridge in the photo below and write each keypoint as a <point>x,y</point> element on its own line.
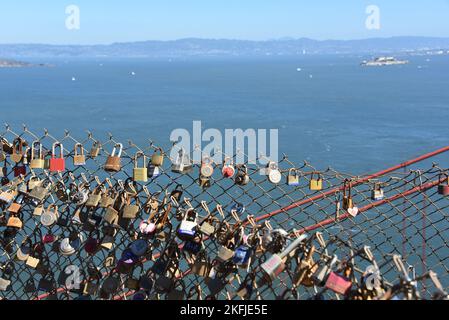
<point>200,47</point>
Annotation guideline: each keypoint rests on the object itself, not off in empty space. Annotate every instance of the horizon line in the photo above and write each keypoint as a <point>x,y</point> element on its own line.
<point>286,38</point>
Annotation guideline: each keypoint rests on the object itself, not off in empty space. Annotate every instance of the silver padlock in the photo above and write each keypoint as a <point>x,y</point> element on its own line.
<point>275,265</point>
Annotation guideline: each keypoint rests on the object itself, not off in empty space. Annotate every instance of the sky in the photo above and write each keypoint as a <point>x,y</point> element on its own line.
<point>106,21</point>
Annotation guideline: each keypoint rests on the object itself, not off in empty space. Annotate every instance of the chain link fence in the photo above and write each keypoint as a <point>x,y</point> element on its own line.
<point>411,219</point>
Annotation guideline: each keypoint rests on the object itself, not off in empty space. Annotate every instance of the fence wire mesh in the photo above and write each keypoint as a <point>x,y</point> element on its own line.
<point>411,220</point>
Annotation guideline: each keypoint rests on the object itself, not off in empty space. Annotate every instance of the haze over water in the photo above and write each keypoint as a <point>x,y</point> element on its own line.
<point>332,113</point>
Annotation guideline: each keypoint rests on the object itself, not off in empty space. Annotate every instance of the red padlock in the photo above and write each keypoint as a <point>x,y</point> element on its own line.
<point>20,170</point>
<point>57,164</point>
<point>443,187</point>
<point>338,283</point>
<point>228,170</point>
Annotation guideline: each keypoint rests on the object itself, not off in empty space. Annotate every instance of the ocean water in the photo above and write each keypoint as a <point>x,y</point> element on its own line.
<point>331,113</point>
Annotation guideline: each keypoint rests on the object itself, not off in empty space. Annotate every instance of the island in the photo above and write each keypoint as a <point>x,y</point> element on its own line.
<point>7,63</point>
<point>383,61</point>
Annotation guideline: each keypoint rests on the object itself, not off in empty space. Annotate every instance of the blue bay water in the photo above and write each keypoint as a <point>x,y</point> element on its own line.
<point>332,113</point>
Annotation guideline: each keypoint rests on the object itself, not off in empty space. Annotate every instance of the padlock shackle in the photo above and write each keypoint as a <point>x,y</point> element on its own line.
<point>320,176</point>
<point>53,149</point>
<point>18,142</point>
<point>41,154</point>
<point>79,147</point>
<point>347,188</point>
<point>120,150</point>
<point>140,154</point>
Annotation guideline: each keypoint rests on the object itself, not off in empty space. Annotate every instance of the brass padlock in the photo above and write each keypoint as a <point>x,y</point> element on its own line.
<point>17,151</point>
<point>293,177</point>
<point>157,159</point>
<point>94,198</point>
<point>111,216</point>
<point>316,184</point>
<point>108,198</point>
<point>113,162</point>
<point>37,161</point>
<point>130,211</point>
<point>14,222</point>
<point>95,150</point>
<point>140,173</point>
<point>79,159</point>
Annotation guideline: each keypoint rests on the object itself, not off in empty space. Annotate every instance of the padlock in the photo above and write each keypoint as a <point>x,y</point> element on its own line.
<point>108,198</point>
<point>338,283</point>
<point>17,151</point>
<point>57,164</point>
<point>50,215</point>
<point>94,198</point>
<point>140,173</point>
<point>79,194</point>
<point>242,177</point>
<point>40,192</point>
<point>443,187</point>
<point>305,269</point>
<point>33,182</point>
<point>192,247</point>
<point>153,171</point>
<point>37,161</point>
<point>47,158</point>
<point>226,252</point>
<point>275,265</point>
<point>207,169</point>
<point>293,177</point>
<point>14,208</point>
<point>320,276</point>
<point>95,150</point>
<point>14,222</point>
<point>202,265</point>
<point>130,211</point>
<point>274,175</point>
<point>228,169</point>
<point>4,284</point>
<point>8,195</point>
<point>316,184</point>
<point>20,170</point>
<point>242,255</point>
<point>24,250</point>
<point>377,193</point>
<point>157,159</point>
<point>111,215</point>
<point>78,158</point>
<point>113,162</point>
<point>206,227</point>
<point>348,203</point>
<point>188,226</point>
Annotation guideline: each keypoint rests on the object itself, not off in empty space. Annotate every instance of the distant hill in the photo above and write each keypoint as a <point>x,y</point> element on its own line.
<point>185,48</point>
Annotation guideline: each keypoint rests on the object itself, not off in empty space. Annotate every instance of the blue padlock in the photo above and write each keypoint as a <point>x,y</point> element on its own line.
<point>242,255</point>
